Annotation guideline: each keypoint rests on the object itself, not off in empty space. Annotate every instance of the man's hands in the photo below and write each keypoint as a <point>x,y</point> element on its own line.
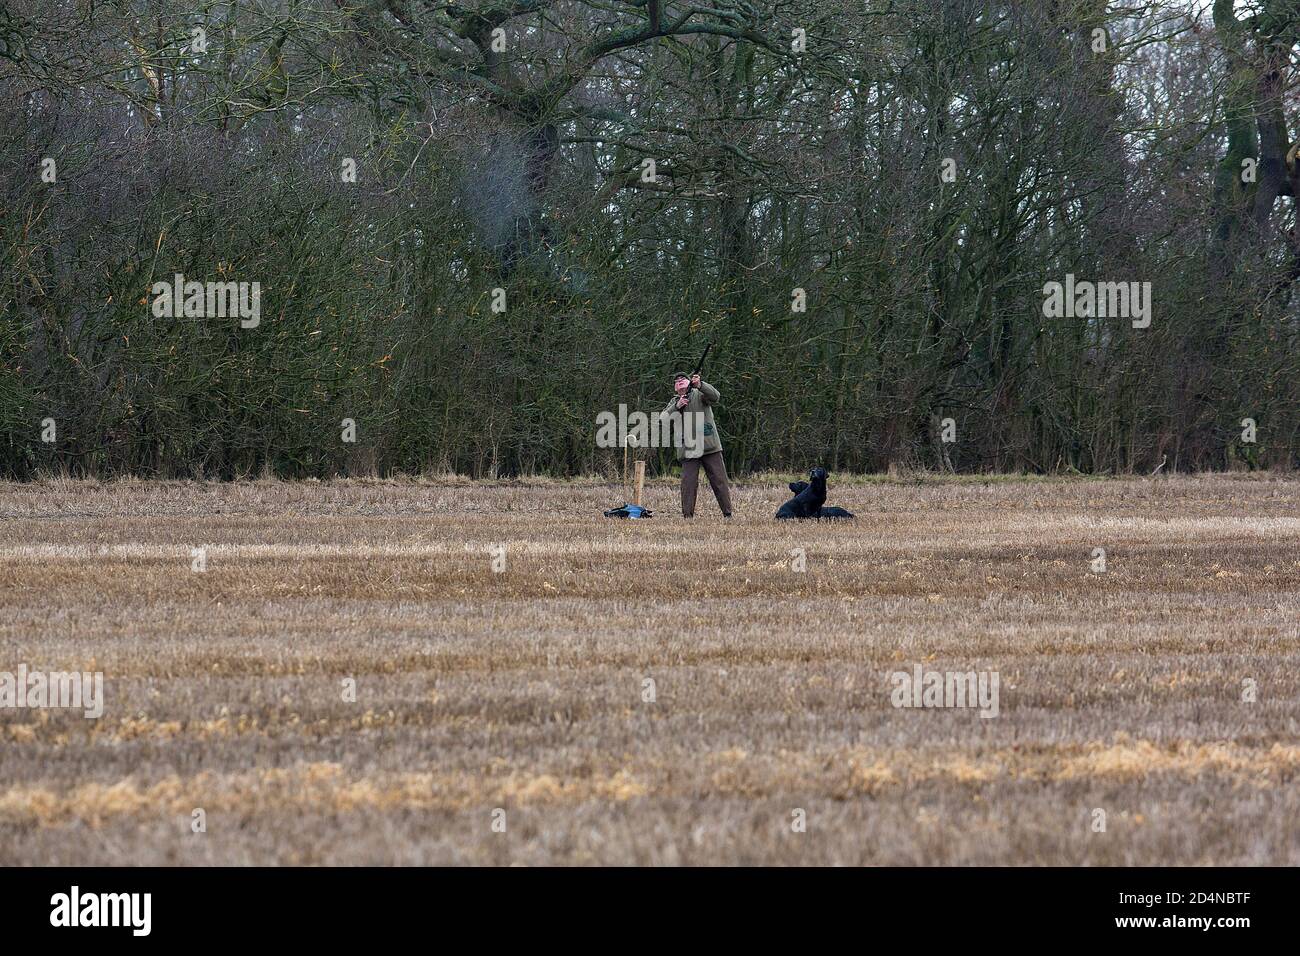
<point>695,381</point>
<point>682,401</point>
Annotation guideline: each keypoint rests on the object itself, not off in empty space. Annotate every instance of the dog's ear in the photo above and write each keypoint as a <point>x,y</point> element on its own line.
<point>798,486</point>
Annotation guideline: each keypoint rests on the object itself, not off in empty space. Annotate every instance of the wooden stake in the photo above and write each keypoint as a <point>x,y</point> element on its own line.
<point>640,482</point>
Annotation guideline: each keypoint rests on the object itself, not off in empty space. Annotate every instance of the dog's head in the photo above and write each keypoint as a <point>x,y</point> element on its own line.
<point>818,474</point>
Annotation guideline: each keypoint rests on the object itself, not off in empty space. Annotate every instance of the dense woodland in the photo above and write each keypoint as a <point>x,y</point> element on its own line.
<point>641,178</point>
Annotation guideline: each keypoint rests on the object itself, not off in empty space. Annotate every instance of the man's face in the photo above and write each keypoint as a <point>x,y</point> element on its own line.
<point>682,383</point>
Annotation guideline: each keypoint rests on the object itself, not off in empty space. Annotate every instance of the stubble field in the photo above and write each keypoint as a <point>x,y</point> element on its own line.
<point>526,689</point>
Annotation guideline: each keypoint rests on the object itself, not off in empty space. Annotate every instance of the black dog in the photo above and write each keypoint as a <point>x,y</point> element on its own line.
<point>826,514</point>
<point>809,500</point>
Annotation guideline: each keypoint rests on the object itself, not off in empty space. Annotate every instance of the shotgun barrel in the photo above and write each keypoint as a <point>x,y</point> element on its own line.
<point>700,364</point>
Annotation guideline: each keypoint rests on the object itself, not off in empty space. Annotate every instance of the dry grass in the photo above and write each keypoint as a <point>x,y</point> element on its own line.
<point>523,690</point>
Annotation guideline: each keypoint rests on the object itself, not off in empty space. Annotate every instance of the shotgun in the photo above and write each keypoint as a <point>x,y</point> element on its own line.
<point>699,365</point>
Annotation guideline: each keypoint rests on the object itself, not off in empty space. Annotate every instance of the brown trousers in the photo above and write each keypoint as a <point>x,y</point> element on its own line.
<point>716,469</point>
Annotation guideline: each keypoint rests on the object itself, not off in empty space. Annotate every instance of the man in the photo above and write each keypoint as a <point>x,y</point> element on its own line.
<point>698,442</point>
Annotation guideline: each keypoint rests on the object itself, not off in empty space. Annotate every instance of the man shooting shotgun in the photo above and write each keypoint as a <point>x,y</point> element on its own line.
<point>699,442</point>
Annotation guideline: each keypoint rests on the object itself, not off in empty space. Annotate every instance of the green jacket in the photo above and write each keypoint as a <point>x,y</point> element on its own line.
<point>693,426</point>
